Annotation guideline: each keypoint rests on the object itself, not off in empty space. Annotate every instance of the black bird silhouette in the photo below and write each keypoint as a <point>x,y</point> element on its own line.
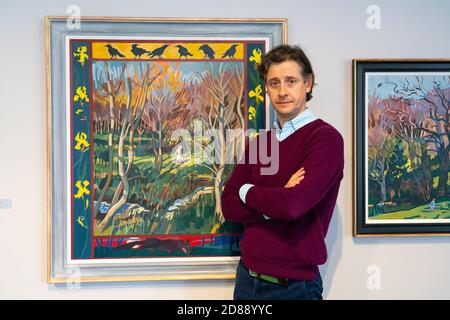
<point>208,51</point>
<point>158,51</point>
<point>113,52</point>
<point>137,51</point>
<point>183,52</point>
<point>230,52</point>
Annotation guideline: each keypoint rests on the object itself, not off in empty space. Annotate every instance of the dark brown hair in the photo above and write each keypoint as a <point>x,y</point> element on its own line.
<point>285,53</point>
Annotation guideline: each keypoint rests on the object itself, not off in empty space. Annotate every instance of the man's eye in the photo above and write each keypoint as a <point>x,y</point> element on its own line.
<point>292,82</point>
<point>273,84</point>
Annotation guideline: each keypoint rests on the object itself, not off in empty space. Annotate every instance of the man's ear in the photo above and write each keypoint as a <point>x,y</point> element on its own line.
<point>308,83</point>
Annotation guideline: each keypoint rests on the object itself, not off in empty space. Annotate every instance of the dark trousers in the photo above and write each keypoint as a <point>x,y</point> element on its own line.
<point>248,287</point>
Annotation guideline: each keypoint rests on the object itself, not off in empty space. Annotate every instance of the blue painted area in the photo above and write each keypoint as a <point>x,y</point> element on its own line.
<point>383,86</point>
<point>254,81</point>
<point>81,160</point>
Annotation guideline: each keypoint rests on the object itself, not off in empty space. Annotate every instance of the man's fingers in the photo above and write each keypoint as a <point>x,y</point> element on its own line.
<point>297,180</point>
<point>294,181</point>
<point>299,173</point>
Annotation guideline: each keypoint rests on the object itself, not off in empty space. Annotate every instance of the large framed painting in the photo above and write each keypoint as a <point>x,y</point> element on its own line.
<point>146,119</point>
<point>401,147</point>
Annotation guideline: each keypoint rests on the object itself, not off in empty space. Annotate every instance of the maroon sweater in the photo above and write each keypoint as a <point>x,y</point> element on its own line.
<point>292,243</point>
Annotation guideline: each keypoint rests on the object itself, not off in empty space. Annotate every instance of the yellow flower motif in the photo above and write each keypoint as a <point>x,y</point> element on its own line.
<point>253,135</point>
<point>256,93</point>
<point>251,113</point>
<point>257,53</point>
<point>82,189</point>
<point>80,221</point>
<point>81,94</point>
<point>81,141</point>
<point>81,54</point>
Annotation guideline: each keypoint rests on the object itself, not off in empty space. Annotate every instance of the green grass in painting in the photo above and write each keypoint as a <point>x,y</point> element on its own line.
<point>442,211</point>
<point>156,191</point>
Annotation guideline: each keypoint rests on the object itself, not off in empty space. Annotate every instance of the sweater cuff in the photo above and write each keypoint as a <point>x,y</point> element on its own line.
<point>243,191</point>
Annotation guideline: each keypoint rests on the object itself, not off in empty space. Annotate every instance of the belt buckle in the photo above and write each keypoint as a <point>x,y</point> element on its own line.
<point>253,274</point>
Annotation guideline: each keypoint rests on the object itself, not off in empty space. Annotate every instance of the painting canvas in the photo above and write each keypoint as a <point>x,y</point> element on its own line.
<point>153,125</point>
<point>402,147</point>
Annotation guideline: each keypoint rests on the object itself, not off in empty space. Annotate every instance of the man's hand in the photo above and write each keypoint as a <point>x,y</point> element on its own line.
<point>296,178</point>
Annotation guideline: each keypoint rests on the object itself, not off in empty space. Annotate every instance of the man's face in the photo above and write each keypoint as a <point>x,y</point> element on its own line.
<point>287,89</point>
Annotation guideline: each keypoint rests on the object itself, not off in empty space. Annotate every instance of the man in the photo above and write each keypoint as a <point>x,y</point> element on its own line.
<point>286,215</point>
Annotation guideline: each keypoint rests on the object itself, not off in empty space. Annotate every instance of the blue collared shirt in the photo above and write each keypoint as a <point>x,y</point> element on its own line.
<point>289,127</point>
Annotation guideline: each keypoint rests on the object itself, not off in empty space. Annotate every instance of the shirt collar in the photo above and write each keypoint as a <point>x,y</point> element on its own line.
<point>298,121</point>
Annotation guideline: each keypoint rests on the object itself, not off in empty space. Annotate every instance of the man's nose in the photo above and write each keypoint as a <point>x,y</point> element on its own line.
<point>282,91</point>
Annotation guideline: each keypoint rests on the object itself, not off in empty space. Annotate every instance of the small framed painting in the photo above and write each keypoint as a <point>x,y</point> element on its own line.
<point>401,139</point>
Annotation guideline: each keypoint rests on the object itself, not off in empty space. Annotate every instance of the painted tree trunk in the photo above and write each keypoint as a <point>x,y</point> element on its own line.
<point>443,177</point>
<point>110,141</point>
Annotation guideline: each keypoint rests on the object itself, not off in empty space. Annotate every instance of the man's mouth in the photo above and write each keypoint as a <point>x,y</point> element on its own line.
<point>283,102</point>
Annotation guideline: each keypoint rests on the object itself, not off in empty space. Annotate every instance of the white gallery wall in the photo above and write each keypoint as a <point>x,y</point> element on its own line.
<point>332,34</point>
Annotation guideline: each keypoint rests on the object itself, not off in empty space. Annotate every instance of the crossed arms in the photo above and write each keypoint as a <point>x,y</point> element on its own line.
<point>321,169</point>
